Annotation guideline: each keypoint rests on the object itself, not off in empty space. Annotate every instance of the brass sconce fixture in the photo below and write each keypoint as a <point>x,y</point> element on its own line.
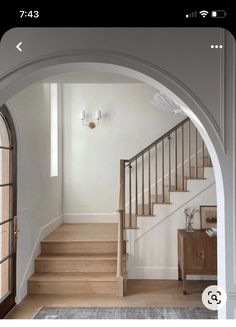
<point>92,125</point>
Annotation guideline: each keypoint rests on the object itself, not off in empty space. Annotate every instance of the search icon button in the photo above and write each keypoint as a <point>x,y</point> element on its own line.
<point>214,297</point>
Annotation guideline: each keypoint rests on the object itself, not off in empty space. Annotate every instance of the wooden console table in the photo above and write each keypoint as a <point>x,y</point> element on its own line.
<point>197,254</point>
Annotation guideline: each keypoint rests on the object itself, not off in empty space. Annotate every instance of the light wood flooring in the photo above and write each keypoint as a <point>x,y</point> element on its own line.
<point>140,293</point>
<point>79,243</point>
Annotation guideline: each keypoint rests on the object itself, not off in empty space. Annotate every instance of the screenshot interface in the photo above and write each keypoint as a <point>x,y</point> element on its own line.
<point>117,163</point>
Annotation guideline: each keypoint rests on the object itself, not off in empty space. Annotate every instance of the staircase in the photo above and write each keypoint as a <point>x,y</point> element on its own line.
<point>77,259</point>
<point>165,166</point>
<point>91,258</point>
<point>148,181</point>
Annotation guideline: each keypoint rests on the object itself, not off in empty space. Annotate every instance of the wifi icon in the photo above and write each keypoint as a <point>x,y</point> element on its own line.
<point>203,13</point>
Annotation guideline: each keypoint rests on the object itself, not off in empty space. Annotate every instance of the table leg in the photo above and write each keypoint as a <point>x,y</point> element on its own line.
<point>179,273</point>
<point>184,283</point>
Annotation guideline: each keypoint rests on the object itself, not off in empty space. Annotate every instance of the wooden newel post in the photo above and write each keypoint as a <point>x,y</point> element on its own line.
<point>121,224</point>
<point>119,275</point>
<point>120,244</point>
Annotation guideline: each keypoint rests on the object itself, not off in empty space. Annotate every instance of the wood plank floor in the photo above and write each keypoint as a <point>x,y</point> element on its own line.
<point>140,293</point>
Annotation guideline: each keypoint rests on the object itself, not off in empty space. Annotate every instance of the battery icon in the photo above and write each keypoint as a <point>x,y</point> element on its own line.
<point>218,14</point>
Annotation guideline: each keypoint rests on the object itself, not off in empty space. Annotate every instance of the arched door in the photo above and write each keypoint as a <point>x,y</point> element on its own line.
<point>8,166</point>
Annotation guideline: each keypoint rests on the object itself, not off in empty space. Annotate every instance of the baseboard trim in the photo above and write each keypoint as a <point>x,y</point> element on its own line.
<point>90,218</point>
<point>162,273</point>
<point>44,231</point>
<point>152,272</point>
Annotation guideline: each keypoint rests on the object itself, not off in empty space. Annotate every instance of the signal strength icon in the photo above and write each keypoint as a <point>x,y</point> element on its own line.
<point>192,15</point>
<point>203,13</point>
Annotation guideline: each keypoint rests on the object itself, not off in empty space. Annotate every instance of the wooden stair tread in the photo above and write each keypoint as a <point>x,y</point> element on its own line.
<point>77,240</point>
<point>94,232</point>
<point>196,178</point>
<point>80,277</point>
<point>179,191</point>
<point>147,215</point>
<point>78,257</point>
<point>127,227</point>
<point>161,203</point>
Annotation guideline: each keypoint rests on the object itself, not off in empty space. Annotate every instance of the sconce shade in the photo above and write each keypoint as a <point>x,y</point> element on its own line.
<point>82,114</point>
<point>92,125</point>
<point>98,114</point>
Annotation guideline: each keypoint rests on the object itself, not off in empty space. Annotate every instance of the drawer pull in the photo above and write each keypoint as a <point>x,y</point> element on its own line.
<point>200,254</point>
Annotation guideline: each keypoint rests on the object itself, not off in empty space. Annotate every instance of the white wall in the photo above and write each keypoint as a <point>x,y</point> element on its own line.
<point>91,169</point>
<point>39,197</point>
<point>153,248</point>
<point>91,157</point>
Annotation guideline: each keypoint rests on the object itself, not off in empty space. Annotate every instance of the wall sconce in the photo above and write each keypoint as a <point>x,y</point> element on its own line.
<point>92,125</point>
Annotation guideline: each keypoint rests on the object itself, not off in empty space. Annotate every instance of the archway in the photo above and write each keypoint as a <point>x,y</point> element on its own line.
<point>8,204</point>
<point>154,76</point>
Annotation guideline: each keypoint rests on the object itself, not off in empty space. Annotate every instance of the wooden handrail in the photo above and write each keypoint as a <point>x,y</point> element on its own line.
<point>129,163</point>
<point>147,148</point>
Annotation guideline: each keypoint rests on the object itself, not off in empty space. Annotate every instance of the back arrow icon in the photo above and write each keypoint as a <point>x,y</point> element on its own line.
<point>18,46</point>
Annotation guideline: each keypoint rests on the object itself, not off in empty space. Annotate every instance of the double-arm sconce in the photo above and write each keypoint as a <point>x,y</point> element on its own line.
<point>98,117</point>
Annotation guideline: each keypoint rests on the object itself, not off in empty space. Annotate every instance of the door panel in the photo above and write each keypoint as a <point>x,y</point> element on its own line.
<point>4,166</point>
<point>5,242</point>
<point>4,270</point>
<point>4,203</point>
<point>212,254</point>
<point>7,212</point>
<point>195,252</point>
<point>4,137</point>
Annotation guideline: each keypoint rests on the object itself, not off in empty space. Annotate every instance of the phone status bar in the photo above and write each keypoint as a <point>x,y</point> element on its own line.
<point>207,14</point>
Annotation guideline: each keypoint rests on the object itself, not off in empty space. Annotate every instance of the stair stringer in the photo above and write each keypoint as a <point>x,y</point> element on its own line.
<point>162,212</point>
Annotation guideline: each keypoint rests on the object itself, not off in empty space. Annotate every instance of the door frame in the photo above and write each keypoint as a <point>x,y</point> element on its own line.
<point>9,301</point>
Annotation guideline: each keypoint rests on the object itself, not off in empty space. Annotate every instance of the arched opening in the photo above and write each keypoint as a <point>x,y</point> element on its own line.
<point>7,211</point>
<point>152,76</point>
